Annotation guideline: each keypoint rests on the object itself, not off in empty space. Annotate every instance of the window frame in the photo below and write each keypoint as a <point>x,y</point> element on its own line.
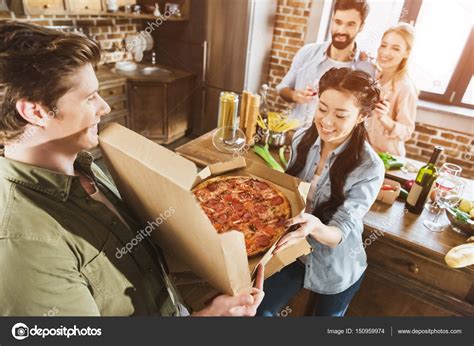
<point>463,71</point>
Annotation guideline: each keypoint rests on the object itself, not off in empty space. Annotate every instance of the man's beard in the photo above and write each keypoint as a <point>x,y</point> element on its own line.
<point>342,44</point>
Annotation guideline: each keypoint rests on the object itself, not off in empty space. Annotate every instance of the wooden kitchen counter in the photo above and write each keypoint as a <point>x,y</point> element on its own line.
<point>407,274</point>
<point>202,152</point>
<point>106,72</point>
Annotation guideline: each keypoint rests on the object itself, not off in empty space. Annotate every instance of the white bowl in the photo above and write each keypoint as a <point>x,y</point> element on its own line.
<point>125,66</point>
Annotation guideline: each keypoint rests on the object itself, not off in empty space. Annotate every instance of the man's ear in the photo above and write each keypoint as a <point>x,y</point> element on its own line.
<point>361,27</point>
<point>33,112</point>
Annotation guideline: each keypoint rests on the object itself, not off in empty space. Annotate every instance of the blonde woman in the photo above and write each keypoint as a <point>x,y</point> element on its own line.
<point>394,119</point>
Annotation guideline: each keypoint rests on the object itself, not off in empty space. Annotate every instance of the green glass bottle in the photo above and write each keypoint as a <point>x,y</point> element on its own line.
<point>424,181</point>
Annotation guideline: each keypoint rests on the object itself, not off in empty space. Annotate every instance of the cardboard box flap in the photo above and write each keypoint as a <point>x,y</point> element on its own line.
<point>174,167</point>
<point>220,168</point>
<point>136,165</point>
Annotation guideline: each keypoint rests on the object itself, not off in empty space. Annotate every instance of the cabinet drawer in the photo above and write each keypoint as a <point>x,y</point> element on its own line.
<point>38,7</point>
<point>84,6</point>
<point>407,264</point>
<point>118,105</point>
<point>111,91</point>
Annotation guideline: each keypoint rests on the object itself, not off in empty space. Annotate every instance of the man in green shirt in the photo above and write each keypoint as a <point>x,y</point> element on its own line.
<point>61,218</point>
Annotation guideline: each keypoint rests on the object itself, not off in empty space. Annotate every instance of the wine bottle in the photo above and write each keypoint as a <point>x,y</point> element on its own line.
<point>424,181</point>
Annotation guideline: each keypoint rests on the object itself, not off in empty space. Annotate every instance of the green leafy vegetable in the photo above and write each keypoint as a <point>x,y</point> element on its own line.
<point>264,153</point>
<point>282,156</point>
<point>390,162</point>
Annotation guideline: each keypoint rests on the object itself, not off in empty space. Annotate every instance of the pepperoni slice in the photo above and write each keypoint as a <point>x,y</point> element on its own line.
<point>261,208</point>
<point>247,216</point>
<point>221,218</point>
<point>262,185</point>
<point>262,240</point>
<point>218,206</point>
<point>280,222</point>
<point>236,217</point>
<point>228,197</point>
<point>277,200</point>
<point>271,231</point>
<point>244,196</point>
<point>231,184</point>
<point>257,223</point>
<point>237,206</point>
<point>212,186</point>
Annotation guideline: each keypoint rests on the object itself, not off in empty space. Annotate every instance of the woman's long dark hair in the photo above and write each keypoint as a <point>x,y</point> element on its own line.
<point>367,93</point>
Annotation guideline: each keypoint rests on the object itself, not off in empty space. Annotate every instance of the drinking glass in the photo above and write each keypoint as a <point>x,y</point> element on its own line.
<point>448,195</point>
<point>448,169</point>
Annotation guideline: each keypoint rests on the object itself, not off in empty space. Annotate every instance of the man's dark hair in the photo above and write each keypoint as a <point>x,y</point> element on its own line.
<point>360,6</point>
<point>37,64</point>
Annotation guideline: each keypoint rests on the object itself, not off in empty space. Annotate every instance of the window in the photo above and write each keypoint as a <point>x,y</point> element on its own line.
<point>442,54</point>
<point>441,61</point>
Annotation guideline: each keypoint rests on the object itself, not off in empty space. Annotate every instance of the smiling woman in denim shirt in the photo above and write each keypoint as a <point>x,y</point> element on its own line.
<point>346,175</point>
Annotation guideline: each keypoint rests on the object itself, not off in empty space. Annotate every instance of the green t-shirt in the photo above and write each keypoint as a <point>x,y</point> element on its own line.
<point>59,249</point>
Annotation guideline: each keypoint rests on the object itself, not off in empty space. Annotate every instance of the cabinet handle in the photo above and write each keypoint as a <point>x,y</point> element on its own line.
<point>111,92</point>
<point>413,268</point>
<point>86,7</point>
<point>135,88</point>
<point>46,6</point>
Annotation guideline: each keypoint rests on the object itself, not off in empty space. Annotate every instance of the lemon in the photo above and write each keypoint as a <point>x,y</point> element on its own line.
<point>471,213</point>
<point>465,205</point>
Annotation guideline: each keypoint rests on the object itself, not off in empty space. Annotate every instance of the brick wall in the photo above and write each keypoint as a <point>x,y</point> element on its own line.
<point>458,147</point>
<point>288,38</point>
<point>110,31</point>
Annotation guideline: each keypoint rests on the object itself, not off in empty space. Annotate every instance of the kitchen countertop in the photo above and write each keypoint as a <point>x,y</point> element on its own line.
<point>403,227</point>
<point>106,73</point>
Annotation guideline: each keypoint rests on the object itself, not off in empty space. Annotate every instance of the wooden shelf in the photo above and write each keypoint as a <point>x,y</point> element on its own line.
<point>143,16</point>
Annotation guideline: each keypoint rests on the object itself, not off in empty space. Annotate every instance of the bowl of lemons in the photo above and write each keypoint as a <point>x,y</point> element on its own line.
<point>462,217</point>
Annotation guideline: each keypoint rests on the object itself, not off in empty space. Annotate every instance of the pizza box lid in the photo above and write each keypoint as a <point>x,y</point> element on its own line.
<point>152,180</point>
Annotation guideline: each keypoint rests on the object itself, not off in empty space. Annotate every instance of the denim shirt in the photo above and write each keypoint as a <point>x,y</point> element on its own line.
<point>333,270</point>
<point>308,66</point>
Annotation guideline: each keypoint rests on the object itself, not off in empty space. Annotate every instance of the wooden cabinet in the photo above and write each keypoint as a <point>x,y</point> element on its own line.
<point>401,281</point>
<point>160,111</point>
<point>148,109</point>
<point>39,7</point>
<point>84,6</point>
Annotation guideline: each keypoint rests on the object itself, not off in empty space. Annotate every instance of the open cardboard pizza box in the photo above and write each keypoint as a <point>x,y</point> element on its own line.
<point>153,179</point>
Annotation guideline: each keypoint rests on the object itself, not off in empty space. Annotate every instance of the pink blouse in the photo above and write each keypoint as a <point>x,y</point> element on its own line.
<point>402,97</point>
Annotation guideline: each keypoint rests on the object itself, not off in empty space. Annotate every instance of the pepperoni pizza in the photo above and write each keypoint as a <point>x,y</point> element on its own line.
<point>254,207</point>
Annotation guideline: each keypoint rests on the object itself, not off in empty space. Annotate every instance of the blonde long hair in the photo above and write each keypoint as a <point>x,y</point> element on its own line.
<point>407,32</point>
